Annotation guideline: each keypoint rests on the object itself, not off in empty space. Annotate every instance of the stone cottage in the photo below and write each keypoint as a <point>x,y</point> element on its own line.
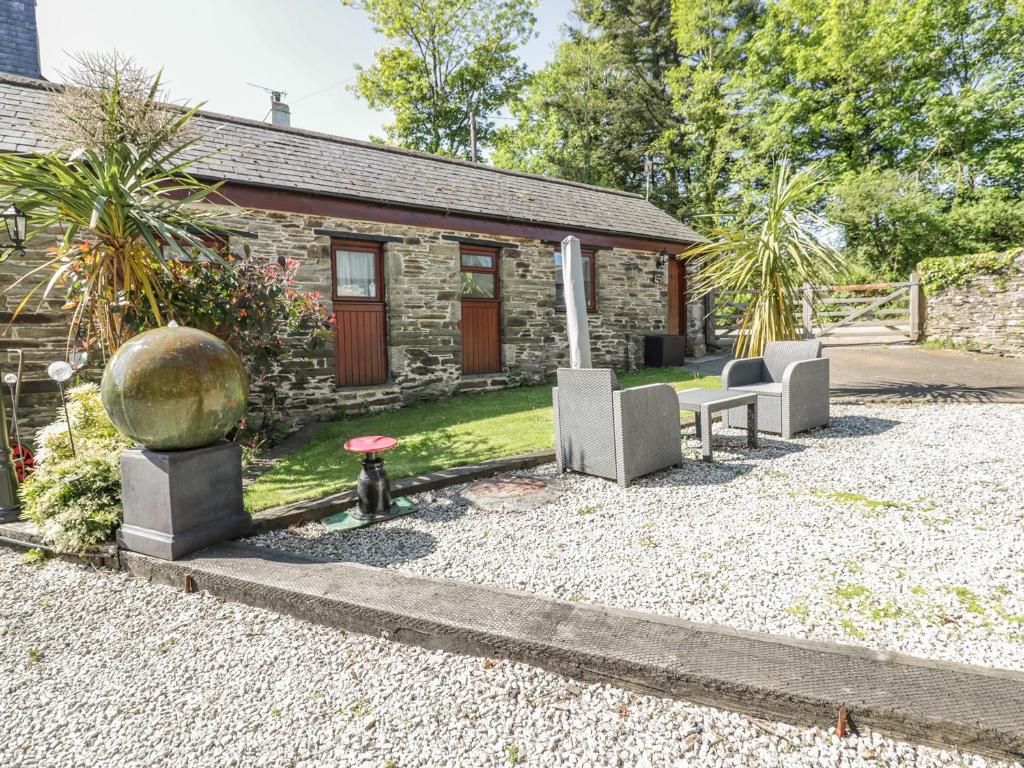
<point>443,275</point>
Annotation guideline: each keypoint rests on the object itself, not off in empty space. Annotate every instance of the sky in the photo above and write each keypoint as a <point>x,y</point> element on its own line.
<point>210,49</point>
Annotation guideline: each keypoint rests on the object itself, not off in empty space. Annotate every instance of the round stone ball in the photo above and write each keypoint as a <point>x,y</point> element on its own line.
<point>174,388</point>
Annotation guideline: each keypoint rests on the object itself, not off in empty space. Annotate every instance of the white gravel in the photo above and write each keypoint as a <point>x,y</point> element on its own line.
<point>97,668</point>
<point>900,527</point>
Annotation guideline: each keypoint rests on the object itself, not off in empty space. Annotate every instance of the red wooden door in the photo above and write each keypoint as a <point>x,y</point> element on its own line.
<point>361,340</point>
<point>361,344</point>
<point>481,310</point>
<point>676,297</point>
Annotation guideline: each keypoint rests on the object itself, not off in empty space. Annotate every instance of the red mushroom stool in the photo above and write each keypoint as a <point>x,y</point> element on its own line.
<point>372,487</point>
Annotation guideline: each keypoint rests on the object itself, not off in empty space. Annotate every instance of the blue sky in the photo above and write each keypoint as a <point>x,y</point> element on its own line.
<point>210,49</point>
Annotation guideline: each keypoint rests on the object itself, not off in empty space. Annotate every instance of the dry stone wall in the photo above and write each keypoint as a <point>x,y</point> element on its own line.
<point>986,314</point>
<point>421,271</point>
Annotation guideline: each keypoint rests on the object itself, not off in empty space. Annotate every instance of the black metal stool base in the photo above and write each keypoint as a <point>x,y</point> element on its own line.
<point>373,488</point>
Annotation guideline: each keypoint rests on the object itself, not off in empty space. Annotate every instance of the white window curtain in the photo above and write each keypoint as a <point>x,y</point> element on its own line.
<point>356,274</point>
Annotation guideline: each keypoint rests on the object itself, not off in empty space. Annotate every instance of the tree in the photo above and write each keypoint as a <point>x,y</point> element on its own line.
<point>712,37</point>
<point>452,66</point>
<point>560,118</point>
<point>771,259</point>
<point>934,87</point>
<point>890,220</point>
<point>120,191</point>
<point>627,103</point>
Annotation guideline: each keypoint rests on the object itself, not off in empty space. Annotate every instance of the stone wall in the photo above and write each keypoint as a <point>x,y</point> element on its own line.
<point>42,341</point>
<point>423,313</point>
<point>986,314</point>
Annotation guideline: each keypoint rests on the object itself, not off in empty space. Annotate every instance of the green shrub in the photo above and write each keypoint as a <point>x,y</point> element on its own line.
<point>75,499</point>
<point>941,272</point>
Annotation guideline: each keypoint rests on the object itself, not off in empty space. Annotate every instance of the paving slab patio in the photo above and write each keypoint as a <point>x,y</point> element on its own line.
<point>761,675</point>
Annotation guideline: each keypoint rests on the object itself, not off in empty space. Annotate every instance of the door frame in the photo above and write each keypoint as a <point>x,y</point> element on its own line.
<point>677,303</point>
<point>495,269</point>
<point>353,302</point>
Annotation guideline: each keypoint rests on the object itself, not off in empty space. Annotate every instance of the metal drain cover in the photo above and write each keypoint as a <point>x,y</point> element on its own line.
<point>512,493</point>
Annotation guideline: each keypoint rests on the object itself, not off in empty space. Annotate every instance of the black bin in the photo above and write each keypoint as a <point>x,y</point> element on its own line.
<point>662,350</point>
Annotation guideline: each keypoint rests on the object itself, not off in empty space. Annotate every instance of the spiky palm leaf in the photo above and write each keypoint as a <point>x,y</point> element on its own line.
<point>771,261</point>
<point>118,206</point>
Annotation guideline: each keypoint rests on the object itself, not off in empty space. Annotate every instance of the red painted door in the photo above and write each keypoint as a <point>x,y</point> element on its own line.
<point>676,297</point>
<point>361,341</point>
<point>481,310</point>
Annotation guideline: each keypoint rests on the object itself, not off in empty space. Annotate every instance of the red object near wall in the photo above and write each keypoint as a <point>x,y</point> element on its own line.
<point>481,336</point>
<point>481,310</point>
<point>361,344</point>
<point>676,324</point>
<point>361,337</point>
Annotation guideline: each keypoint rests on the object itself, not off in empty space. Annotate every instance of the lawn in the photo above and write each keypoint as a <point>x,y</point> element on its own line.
<point>435,435</point>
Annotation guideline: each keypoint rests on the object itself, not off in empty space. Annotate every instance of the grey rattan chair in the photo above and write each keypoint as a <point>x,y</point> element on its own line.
<point>615,433</point>
<point>791,383</point>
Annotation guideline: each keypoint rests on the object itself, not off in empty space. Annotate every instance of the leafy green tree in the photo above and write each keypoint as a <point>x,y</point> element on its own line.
<point>560,118</point>
<point>641,142</point>
<point>925,86</point>
<point>451,67</point>
<point>991,219</point>
<point>611,73</point>
<point>628,103</point>
<point>890,220</point>
<point>713,42</point>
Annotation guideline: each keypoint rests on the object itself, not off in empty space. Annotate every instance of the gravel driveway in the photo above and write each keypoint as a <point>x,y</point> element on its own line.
<point>900,527</point>
<point>97,668</point>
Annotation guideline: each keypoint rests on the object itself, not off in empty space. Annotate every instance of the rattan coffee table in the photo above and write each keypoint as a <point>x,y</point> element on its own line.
<point>702,403</point>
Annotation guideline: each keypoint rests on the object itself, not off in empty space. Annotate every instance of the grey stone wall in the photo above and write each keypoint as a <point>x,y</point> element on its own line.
<point>986,315</point>
<point>41,341</point>
<point>19,40</point>
<point>423,314</point>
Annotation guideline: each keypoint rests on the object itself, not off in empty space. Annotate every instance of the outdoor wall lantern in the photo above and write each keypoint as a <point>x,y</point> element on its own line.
<point>17,226</point>
<point>660,264</point>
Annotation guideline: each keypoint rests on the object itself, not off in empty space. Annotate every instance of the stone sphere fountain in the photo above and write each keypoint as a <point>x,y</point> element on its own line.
<point>177,391</point>
<point>175,388</point>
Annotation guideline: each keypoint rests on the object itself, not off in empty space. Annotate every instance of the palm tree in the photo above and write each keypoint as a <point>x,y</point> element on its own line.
<point>120,191</point>
<point>771,260</point>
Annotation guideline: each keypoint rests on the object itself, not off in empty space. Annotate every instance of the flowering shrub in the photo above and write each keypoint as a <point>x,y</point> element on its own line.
<point>252,305</point>
<point>75,498</point>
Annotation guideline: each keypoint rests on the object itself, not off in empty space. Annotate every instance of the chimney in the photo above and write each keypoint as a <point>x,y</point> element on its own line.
<point>279,112</point>
<point>19,38</point>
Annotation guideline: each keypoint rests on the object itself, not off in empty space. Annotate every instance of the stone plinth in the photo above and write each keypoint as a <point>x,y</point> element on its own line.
<point>176,502</point>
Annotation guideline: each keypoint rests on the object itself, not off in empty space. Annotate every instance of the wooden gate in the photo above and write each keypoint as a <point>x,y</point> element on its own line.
<point>874,313</point>
<point>481,310</point>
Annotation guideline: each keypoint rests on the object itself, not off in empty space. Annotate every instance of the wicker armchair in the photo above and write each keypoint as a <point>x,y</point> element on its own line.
<point>615,433</point>
<point>791,383</point>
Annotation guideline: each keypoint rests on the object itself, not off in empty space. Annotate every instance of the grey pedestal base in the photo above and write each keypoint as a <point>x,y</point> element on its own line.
<point>176,502</point>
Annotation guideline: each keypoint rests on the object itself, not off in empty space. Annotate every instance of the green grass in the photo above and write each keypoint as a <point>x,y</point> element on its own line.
<point>948,344</point>
<point>462,430</point>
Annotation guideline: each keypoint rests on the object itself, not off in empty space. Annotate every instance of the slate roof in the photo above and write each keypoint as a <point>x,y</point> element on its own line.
<point>292,159</point>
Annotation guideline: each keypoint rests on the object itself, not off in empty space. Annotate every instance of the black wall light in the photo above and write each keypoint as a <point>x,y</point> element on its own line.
<point>660,264</point>
<point>17,226</point>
